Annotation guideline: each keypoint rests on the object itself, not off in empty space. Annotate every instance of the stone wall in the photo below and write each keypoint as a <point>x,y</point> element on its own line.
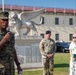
<point>28,53</point>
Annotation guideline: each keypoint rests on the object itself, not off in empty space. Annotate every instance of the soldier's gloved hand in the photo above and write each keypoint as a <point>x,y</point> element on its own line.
<point>49,55</point>
<point>7,36</point>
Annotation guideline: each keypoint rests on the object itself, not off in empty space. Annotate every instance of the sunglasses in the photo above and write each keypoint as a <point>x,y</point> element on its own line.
<point>5,19</point>
<point>74,37</point>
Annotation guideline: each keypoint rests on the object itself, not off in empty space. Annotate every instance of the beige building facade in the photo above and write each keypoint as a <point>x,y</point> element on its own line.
<point>63,26</point>
<point>62,22</point>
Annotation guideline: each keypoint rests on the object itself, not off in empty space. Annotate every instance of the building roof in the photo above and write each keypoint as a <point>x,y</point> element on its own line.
<point>30,8</point>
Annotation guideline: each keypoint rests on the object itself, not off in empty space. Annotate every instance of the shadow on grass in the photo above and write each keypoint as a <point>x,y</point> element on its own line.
<point>61,65</point>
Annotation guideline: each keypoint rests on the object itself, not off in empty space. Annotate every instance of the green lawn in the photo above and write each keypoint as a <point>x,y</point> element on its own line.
<point>61,65</point>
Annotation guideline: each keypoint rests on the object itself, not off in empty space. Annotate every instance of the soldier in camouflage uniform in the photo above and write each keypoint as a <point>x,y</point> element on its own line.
<point>7,49</point>
<point>47,50</point>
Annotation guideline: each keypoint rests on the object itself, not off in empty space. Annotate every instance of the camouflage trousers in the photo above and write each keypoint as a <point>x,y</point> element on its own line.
<point>4,71</point>
<point>7,68</point>
<point>48,65</point>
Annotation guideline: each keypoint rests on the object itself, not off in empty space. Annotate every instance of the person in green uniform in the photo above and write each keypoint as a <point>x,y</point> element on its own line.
<point>7,48</point>
<point>47,50</point>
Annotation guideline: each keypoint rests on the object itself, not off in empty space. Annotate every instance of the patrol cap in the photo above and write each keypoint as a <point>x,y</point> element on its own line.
<point>48,32</point>
<point>4,15</point>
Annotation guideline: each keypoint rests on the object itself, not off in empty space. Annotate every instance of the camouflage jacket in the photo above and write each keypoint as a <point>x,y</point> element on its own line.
<point>47,47</point>
<point>8,49</point>
<point>7,54</point>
